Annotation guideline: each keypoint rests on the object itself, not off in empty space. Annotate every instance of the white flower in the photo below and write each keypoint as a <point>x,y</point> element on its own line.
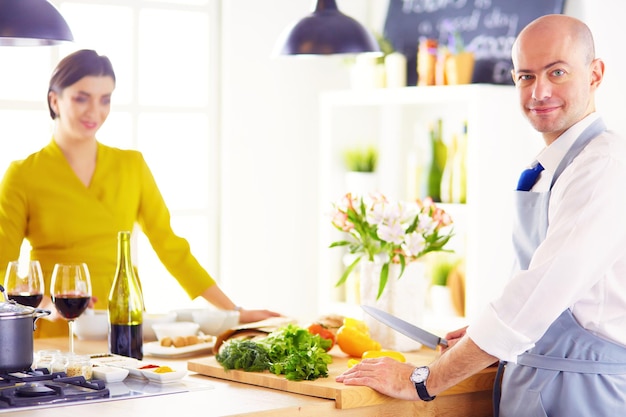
<point>413,244</point>
<point>393,233</point>
<point>426,224</point>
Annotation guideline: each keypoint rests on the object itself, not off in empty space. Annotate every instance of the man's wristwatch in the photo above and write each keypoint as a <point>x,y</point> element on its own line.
<point>419,377</point>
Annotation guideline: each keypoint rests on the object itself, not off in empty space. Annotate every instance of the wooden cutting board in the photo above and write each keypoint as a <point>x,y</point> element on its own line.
<point>344,396</point>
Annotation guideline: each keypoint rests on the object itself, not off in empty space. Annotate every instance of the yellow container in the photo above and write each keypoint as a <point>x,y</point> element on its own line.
<point>460,68</point>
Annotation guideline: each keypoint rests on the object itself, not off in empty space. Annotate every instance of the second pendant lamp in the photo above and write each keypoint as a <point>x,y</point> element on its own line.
<point>327,31</point>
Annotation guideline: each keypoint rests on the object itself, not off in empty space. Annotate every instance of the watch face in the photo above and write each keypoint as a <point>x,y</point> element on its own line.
<point>420,374</point>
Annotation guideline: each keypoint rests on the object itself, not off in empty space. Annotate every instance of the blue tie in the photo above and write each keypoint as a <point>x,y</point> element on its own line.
<point>529,178</point>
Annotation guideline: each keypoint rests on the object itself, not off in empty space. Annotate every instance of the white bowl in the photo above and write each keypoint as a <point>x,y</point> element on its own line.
<point>175,329</point>
<point>215,322</point>
<point>92,325</point>
<point>150,319</point>
<point>109,373</point>
<point>185,314</point>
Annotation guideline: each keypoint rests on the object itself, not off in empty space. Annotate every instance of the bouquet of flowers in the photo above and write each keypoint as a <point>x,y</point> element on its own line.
<point>395,232</point>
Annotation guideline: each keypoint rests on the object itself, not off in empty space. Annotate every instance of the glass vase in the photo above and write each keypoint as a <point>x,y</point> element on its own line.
<point>404,298</point>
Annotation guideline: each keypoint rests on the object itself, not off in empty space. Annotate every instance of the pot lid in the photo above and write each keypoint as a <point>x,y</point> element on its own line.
<point>11,308</point>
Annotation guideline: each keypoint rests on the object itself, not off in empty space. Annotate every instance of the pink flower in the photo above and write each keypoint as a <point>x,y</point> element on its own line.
<point>340,219</point>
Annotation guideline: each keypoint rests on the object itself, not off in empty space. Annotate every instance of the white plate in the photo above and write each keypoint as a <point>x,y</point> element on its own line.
<point>155,349</point>
<point>165,377</point>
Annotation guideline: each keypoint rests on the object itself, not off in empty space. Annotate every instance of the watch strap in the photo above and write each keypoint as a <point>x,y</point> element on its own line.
<point>422,392</point>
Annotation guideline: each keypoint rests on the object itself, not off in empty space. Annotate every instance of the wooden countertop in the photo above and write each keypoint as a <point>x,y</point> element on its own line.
<point>210,396</point>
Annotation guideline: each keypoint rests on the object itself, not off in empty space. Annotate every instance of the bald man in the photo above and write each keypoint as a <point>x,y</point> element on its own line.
<point>559,327</point>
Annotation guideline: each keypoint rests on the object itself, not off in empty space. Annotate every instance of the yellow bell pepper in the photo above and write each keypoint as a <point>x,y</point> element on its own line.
<point>353,338</point>
<point>380,353</point>
<point>352,362</point>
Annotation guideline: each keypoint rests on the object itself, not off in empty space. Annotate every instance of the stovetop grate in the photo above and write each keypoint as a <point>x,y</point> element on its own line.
<point>38,386</point>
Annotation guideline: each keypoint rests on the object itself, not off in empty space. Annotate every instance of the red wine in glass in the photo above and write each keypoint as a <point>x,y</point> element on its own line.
<point>70,288</point>
<point>70,306</point>
<point>31,300</point>
<point>23,282</point>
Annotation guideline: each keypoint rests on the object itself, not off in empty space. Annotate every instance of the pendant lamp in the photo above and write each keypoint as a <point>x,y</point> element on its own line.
<point>30,23</point>
<point>327,31</point>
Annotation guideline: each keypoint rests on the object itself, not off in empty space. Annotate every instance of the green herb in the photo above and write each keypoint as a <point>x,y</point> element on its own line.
<point>297,353</point>
<point>291,351</point>
<point>244,354</point>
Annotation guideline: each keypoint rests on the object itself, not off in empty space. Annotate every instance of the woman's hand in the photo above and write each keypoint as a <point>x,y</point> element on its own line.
<point>47,304</point>
<point>250,316</point>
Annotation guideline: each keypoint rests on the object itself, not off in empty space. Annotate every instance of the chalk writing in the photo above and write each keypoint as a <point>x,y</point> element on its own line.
<point>487,27</point>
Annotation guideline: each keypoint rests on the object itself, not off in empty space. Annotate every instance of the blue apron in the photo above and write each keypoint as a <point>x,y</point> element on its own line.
<point>569,372</point>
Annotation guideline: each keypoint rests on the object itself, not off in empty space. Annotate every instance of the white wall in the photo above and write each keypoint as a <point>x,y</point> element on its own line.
<point>269,154</point>
<point>606,23</point>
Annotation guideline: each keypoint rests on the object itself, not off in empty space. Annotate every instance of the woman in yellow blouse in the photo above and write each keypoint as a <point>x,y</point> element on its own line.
<point>72,197</point>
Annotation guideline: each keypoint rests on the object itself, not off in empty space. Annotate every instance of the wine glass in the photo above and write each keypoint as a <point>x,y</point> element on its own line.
<point>71,292</point>
<point>25,287</point>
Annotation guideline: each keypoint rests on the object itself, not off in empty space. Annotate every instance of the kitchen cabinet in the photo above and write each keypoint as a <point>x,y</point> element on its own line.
<point>500,143</point>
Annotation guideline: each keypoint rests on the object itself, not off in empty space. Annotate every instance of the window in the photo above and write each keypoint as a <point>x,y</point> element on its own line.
<point>163,55</point>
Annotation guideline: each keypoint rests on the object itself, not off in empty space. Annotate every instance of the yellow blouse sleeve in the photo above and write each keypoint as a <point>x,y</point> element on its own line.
<point>173,251</point>
<point>13,204</point>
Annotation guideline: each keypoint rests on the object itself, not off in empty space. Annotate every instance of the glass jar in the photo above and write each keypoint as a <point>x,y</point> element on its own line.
<point>59,363</point>
<point>79,365</point>
<point>44,358</point>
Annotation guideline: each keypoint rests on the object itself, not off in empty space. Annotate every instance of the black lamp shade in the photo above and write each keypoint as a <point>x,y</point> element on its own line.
<point>32,22</point>
<point>327,31</point>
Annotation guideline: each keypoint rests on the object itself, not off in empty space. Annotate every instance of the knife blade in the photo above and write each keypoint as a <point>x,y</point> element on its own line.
<point>405,327</point>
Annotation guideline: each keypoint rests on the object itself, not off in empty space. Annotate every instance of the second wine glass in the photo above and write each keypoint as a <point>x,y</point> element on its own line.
<point>70,289</point>
<point>25,287</point>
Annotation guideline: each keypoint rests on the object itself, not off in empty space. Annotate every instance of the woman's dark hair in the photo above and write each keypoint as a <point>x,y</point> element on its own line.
<point>74,67</point>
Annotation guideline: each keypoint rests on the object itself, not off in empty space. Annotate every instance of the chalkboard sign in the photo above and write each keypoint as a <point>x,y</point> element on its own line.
<point>488,28</point>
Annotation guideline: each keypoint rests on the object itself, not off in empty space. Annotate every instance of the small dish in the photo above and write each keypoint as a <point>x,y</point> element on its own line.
<point>110,373</point>
<point>133,369</point>
<point>155,349</point>
<point>165,377</point>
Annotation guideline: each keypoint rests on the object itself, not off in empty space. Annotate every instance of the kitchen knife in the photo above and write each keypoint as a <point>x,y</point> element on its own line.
<point>405,327</point>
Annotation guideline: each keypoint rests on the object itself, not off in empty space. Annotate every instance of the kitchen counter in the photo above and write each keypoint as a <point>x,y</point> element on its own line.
<point>209,396</point>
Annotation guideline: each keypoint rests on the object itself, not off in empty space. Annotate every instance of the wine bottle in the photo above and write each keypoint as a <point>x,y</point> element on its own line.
<point>438,161</point>
<point>125,305</point>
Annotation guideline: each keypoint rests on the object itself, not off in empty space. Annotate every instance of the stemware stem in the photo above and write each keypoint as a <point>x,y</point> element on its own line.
<point>70,324</point>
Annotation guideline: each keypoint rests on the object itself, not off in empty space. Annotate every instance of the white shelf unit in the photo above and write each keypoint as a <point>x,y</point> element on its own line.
<point>500,143</point>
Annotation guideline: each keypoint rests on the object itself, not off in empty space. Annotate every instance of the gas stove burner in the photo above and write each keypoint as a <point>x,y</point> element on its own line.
<point>38,387</point>
<point>34,390</point>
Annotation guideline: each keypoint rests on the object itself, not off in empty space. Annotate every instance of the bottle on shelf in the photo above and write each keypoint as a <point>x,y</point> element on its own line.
<point>459,180</point>
<point>438,162</point>
<point>448,177</point>
<point>427,61</point>
<point>125,305</point>
<point>453,182</point>
<point>417,162</point>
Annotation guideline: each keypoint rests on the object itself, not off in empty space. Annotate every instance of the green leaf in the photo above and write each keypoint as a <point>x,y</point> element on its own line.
<point>347,272</point>
<point>384,275</point>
